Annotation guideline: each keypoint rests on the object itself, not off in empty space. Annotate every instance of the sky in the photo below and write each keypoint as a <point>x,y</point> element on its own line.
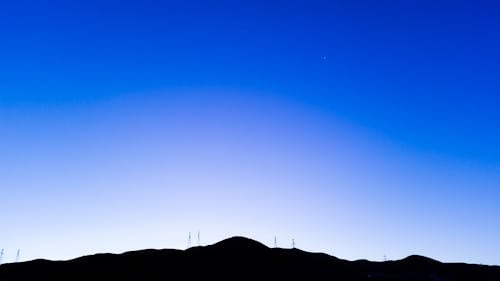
<point>362,129</point>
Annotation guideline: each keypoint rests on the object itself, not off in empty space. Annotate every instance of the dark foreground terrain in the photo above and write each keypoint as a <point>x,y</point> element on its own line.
<point>240,258</point>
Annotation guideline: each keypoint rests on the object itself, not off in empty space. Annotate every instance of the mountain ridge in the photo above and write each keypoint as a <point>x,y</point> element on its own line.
<point>240,258</point>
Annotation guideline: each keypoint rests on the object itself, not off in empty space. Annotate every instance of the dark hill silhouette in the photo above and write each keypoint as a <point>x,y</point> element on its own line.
<point>240,258</point>
<point>239,243</point>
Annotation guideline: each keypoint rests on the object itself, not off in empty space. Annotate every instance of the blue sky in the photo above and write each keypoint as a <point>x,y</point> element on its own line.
<point>359,128</point>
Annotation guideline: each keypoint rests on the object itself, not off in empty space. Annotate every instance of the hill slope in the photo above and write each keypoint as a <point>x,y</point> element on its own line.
<point>240,258</point>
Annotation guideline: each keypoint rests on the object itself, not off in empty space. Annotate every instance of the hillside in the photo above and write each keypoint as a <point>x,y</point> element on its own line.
<point>239,258</point>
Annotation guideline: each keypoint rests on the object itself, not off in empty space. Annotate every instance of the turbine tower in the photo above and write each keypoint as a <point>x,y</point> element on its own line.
<point>1,256</point>
<point>17,254</point>
<point>275,242</point>
<point>189,240</point>
<point>293,243</point>
<point>199,239</point>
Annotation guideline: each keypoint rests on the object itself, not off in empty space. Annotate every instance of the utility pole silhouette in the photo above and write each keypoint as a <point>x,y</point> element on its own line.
<point>17,254</point>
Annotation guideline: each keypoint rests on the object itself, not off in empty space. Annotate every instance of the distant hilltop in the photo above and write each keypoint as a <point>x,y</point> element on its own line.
<point>240,258</point>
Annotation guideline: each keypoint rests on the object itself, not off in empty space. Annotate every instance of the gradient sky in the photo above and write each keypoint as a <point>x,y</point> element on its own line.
<point>359,128</point>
